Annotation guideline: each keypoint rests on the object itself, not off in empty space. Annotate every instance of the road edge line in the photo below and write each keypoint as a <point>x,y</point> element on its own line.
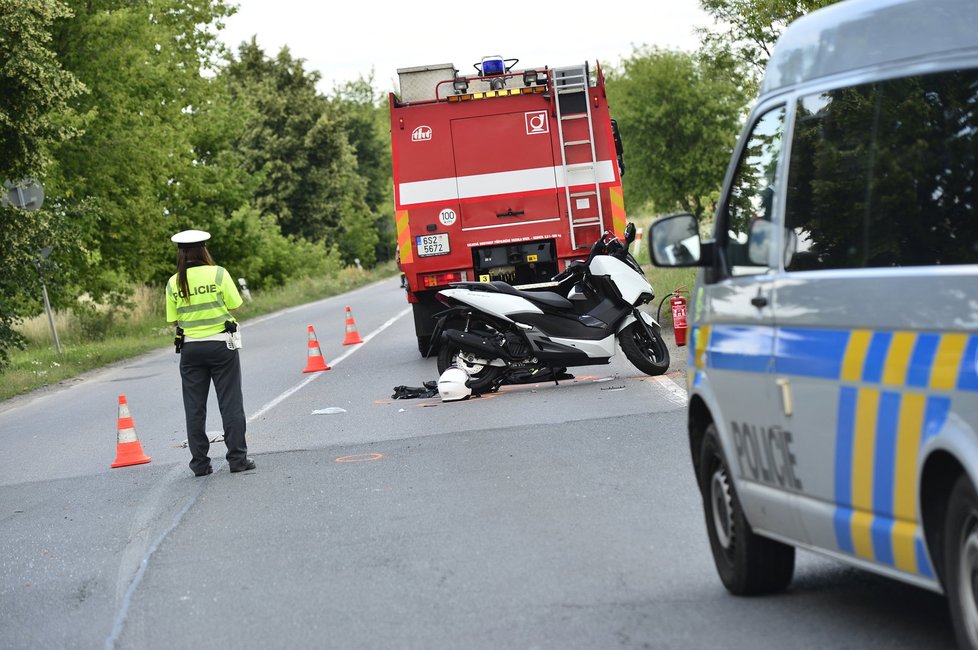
<point>268,406</point>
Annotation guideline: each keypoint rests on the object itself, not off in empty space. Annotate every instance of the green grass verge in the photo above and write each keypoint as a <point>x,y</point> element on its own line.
<point>92,339</point>
<point>664,282</point>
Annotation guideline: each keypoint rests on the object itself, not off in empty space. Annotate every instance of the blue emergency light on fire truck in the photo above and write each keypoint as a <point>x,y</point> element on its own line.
<point>504,174</point>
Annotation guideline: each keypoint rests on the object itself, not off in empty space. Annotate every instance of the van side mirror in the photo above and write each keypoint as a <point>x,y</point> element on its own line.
<point>675,241</point>
<point>629,234</point>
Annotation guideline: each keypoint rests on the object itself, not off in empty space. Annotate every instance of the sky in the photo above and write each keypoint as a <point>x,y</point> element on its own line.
<point>345,40</point>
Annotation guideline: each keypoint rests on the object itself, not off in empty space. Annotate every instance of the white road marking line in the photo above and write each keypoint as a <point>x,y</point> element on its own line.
<point>671,390</point>
<point>311,378</point>
<point>289,310</point>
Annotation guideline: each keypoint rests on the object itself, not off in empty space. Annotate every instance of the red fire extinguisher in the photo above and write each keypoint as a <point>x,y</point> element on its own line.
<point>679,325</point>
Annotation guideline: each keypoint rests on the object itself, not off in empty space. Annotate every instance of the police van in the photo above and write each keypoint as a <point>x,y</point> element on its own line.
<point>833,359</point>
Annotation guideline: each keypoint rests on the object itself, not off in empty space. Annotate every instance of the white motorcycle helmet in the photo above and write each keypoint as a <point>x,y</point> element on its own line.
<point>452,385</point>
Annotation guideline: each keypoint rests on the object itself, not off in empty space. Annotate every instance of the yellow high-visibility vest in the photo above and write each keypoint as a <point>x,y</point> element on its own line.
<point>203,312</point>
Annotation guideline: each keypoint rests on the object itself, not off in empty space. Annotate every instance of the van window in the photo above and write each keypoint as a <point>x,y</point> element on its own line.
<point>885,174</point>
<point>752,195</point>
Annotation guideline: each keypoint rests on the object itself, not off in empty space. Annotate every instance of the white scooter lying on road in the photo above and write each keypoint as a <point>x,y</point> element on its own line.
<point>494,331</point>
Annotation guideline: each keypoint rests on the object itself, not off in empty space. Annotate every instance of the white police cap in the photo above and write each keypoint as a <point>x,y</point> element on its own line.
<point>190,238</point>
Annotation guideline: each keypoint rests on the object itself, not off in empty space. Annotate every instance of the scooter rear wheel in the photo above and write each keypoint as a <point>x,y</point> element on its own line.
<point>482,376</point>
<point>644,347</point>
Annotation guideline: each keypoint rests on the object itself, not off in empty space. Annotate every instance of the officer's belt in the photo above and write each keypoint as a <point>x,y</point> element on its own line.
<point>220,336</point>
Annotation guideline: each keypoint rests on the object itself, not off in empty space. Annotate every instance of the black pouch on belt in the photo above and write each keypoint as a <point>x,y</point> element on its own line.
<point>178,340</point>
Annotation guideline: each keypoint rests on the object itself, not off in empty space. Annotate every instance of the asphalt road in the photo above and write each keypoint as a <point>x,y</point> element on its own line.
<point>540,517</point>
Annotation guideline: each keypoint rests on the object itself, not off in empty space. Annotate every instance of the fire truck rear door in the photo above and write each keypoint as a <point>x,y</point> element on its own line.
<point>504,164</point>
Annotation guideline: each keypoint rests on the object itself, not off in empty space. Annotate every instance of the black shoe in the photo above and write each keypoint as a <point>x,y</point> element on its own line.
<point>204,472</point>
<point>244,467</point>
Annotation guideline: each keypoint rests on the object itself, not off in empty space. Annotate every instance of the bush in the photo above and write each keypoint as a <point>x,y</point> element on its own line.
<point>252,246</point>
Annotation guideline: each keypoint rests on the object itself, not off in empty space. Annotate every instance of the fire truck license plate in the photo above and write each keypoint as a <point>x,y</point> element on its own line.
<point>433,244</point>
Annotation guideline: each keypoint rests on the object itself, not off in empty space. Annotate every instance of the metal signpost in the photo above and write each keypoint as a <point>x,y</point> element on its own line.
<point>47,303</point>
<point>29,195</point>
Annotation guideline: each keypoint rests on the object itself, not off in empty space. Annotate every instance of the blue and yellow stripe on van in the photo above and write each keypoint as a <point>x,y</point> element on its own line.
<point>699,343</point>
<point>894,394</point>
<point>897,398</point>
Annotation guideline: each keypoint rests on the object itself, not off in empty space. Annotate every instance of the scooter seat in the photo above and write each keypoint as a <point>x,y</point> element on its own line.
<point>548,298</point>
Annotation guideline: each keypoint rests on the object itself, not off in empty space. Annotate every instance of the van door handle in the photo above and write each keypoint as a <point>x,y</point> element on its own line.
<point>759,301</point>
<point>510,213</point>
<point>786,401</point>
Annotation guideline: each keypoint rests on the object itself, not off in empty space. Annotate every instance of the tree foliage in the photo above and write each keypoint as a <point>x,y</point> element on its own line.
<point>35,91</point>
<point>140,124</point>
<point>680,113</point>
<point>142,62</point>
<point>34,88</point>
<point>367,129</point>
<point>679,117</point>
<point>298,145</point>
<point>747,30</point>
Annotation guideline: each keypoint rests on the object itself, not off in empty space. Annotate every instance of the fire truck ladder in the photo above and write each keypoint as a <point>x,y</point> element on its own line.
<point>571,88</point>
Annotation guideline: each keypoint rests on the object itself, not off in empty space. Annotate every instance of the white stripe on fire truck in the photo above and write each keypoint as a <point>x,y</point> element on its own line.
<point>510,225</point>
<point>512,182</point>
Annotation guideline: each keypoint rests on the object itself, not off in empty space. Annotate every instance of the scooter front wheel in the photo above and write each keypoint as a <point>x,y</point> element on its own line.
<point>482,376</point>
<point>644,347</point>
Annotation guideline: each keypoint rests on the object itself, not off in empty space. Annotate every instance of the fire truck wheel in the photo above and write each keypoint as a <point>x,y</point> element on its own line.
<point>646,350</point>
<point>748,564</point>
<point>424,342</point>
<point>961,561</point>
<point>482,376</point>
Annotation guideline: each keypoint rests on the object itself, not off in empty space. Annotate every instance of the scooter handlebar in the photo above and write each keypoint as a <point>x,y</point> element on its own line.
<point>574,268</point>
<point>600,246</point>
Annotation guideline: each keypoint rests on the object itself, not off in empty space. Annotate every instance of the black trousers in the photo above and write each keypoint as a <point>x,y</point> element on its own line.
<point>200,363</point>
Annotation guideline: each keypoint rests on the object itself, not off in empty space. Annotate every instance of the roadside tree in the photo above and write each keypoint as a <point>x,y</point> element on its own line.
<point>142,62</point>
<point>35,113</point>
<point>746,31</point>
<point>298,146</point>
<point>365,116</point>
<point>679,116</point>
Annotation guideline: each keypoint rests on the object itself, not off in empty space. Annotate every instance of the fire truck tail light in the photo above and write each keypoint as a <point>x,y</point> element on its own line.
<point>441,279</point>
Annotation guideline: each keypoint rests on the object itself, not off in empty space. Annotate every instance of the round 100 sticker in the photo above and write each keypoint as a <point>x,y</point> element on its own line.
<point>447,217</point>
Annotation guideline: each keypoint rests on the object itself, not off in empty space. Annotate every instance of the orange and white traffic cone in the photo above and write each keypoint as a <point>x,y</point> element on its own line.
<point>128,449</point>
<point>352,336</point>
<point>315,361</point>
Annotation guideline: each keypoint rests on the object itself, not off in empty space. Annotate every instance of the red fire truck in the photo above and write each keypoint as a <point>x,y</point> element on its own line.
<point>500,175</point>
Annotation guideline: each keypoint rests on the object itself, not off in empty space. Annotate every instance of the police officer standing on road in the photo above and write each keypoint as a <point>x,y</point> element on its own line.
<point>199,297</point>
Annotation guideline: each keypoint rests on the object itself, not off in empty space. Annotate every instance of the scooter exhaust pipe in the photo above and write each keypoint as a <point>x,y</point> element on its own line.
<point>471,342</point>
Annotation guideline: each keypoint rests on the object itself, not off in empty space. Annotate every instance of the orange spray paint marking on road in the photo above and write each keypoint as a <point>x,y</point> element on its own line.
<point>359,458</point>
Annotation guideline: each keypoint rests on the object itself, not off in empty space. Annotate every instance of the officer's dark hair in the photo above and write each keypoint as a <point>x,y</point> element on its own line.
<point>187,257</point>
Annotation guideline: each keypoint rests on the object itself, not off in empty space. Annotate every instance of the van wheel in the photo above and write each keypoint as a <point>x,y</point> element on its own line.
<point>961,561</point>
<point>748,564</point>
<point>424,343</point>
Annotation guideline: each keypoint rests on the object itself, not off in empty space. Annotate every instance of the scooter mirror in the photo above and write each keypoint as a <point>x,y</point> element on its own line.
<point>629,234</point>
